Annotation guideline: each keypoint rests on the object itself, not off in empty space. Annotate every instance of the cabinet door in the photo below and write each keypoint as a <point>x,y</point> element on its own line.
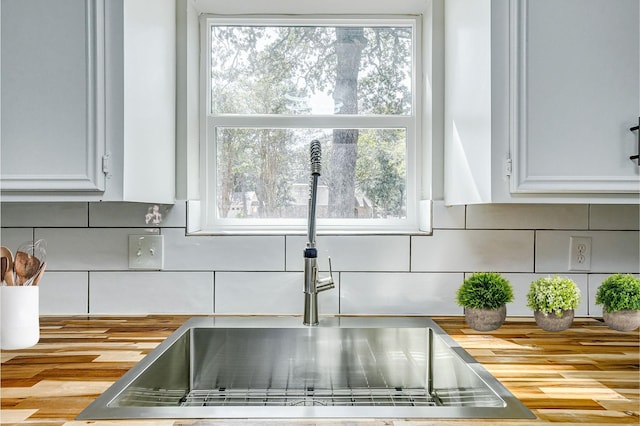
<point>577,93</point>
<point>52,88</point>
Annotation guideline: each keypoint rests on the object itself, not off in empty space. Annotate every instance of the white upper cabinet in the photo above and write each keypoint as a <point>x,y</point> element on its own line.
<point>52,94</point>
<point>88,100</point>
<point>578,92</point>
<point>540,110</point>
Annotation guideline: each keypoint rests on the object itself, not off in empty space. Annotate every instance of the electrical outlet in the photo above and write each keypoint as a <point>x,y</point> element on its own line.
<point>146,252</point>
<point>580,254</point>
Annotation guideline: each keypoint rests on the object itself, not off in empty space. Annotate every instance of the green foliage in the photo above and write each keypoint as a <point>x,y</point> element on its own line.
<point>279,70</point>
<point>619,292</point>
<point>484,290</point>
<point>553,294</point>
<point>381,172</point>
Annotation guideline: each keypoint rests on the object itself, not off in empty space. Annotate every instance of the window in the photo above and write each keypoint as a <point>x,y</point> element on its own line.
<point>275,84</point>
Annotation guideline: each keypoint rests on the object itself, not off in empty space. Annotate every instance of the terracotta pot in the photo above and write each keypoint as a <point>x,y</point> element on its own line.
<point>552,322</point>
<point>485,319</point>
<point>625,320</point>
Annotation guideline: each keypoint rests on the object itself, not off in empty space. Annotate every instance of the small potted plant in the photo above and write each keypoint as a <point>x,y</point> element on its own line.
<point>484,296</point>
<point>619,295</point>
<point>553,301</point>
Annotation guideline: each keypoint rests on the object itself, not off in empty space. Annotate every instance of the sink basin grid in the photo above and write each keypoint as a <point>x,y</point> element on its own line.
<point>350,368</point>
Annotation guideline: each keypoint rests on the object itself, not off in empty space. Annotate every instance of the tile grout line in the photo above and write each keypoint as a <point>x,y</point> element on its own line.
<point>214,291</point>
<point>88,292</point>
<point>410,253</point>
<point>339,292</point>
<point>535,240</point>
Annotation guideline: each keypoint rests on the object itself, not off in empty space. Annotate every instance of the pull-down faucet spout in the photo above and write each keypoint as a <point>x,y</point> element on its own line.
<point>312,284</point>
<point>316,168</point>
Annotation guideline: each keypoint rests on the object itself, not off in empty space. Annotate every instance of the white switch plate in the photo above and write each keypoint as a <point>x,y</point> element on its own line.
<point>146,252</point>
<point>580,254</point>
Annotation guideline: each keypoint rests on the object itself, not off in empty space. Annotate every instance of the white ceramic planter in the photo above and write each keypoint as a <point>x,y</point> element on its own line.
<point>19,317</point>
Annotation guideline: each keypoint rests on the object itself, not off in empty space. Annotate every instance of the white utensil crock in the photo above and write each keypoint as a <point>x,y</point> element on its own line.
<point>19,317</point>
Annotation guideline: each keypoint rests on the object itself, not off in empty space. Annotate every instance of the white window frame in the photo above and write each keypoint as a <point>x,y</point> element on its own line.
<point>418,212</point>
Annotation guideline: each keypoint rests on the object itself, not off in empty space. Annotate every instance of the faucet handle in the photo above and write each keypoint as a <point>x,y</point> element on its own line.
<point>326,283</point>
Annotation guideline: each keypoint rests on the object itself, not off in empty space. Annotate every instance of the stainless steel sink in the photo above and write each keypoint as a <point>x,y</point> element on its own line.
<point>272,368</point>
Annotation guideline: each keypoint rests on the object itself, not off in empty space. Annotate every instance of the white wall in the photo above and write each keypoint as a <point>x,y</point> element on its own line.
<point>88,271</point>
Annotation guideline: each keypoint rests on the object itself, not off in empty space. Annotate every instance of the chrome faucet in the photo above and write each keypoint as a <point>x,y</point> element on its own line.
<point>312,283</point>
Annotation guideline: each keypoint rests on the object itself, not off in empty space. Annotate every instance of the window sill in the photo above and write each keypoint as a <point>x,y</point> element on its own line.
<point>424,227</point>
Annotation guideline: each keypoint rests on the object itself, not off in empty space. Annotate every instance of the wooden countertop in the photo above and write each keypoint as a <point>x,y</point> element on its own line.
<point>587,374</point>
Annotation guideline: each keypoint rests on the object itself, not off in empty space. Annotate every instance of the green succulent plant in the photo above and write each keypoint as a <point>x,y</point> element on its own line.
<point>553,294</point>
<point>619,292</point>
<point>484,290</point>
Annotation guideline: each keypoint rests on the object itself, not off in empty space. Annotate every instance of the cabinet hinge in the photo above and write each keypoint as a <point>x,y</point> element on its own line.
<point>508,167</point>
<point>105,163</point>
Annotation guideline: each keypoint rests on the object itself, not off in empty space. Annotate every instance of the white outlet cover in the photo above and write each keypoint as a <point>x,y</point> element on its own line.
<point>580,254</point>
<point>146,252</point>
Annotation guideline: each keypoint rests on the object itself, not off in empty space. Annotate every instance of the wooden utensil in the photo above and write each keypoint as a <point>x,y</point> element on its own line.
<point>28,259</point>
<point>26,266</point>
<point>7,265</point>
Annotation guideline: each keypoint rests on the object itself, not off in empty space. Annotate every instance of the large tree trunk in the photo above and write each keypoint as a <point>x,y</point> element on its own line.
<point>349,45</point>
<point>268,183</point>
<point>225,178</point>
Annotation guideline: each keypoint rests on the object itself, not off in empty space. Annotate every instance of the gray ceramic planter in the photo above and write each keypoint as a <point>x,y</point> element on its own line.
<point>625,320</point>
<point>485,319</point>
<point>552,322</point>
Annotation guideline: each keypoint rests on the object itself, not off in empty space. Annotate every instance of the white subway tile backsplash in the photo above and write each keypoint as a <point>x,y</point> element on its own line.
<point>594,282</point>
<point>13,237</point>
<point>448,217</point>
<point>88,268</point>
<point>472,251</point>
<point>115,214</point>
<point>521,284</point>
<point>151,292</point>
<point>611,251</point>
<point>222,253</point>
<point>399,293</point>
<point>44,214</point>
<point>525,216</point>
<point>268,293</point>
<point>353,252</point>
<point>614,217</point>
<point>64,293</point>
<point>88,249</point>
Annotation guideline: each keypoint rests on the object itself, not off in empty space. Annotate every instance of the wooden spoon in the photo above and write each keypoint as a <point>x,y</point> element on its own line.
<point>7,265</point>
<point>26,266</point>
<point>3,268</point>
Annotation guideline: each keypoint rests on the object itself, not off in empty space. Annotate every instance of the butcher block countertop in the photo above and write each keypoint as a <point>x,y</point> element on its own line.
<point>588,374</point>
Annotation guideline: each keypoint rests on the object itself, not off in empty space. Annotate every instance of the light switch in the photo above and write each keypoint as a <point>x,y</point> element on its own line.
<point>146,252</point>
